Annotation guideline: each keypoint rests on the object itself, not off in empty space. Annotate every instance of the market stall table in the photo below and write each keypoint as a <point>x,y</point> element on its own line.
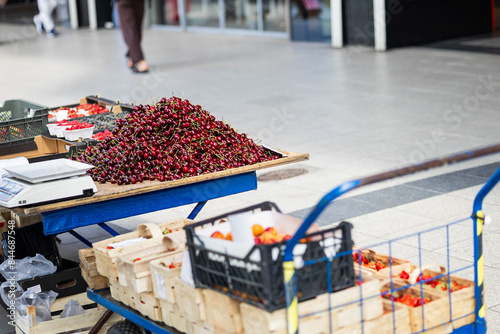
<point>113,202</point>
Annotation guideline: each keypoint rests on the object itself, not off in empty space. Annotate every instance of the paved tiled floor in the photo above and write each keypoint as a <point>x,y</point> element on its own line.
<point>357,112</point>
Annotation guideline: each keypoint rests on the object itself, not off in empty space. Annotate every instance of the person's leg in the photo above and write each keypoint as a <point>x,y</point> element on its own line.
<point>38,23</point>
<point>141,65</point>
<point>45,16</point>
<point>130,14</point>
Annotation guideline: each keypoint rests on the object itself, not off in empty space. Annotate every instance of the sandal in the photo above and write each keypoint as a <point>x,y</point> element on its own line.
<point>135,67</point>
<point>136,70</point>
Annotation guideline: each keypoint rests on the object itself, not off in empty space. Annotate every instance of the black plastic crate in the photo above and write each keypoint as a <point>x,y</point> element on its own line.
<point>261,282</point>
<point>30,240</point>
<point>21,121</point>
<point>66,281</point>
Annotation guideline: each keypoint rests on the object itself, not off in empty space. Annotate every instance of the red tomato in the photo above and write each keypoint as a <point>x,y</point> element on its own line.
<point>408,300</point>
<point>379,265</point>
<point>404,275</point>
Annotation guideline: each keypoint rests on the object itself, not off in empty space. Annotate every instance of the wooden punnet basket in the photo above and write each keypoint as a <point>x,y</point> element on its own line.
<point>162,276</point>
<point>89,270</point>
<point>145,236</point>
<point>435,313</point>
<point>398,265</point>
<point>463,302</point>
<point>133,268</point>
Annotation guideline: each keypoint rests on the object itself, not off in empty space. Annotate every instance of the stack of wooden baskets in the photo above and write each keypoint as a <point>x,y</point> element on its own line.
<point>125,260</point>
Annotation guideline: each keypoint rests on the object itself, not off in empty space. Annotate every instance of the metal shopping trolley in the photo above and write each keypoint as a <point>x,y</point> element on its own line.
<point>457,306</point>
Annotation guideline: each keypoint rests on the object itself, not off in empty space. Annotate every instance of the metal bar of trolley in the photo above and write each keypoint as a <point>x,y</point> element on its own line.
<point>478,217</point>
<point>289,267</point>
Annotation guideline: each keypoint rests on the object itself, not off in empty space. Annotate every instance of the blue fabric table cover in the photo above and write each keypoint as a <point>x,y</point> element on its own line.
<point>59,221</point>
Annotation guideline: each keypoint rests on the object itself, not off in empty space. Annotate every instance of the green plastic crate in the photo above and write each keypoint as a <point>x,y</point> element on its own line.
<point>21,121</point>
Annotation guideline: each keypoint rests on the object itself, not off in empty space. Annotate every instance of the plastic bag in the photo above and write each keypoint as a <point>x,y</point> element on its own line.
<point>28,267</point>
<point>42,302</point>
<point>10,290</point>
<point>72,308</point>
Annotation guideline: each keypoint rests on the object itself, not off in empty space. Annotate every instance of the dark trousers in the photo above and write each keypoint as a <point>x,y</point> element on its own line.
<point>131,13</point>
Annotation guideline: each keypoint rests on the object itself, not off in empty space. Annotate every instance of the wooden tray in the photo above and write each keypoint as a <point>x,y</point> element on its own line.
<point>110,191</point>
<point>79,323</point>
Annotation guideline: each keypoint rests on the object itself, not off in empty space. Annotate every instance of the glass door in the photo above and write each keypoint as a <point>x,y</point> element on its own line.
<point>274,15</point>
<point>202,13</point>
<point>310,20</point>
<point>241,14</point>
<point>235,15</point>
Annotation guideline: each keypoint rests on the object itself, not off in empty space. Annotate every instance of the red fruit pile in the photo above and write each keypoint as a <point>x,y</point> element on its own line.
<point>101,135</point>
<point>83,110</point>
<point>92,109</point>
<point>79,126</point>
<point>170,140</point>
<point>407,299</point>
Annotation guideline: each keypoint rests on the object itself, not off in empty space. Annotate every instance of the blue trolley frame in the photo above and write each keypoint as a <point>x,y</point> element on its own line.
<point>479,326</point>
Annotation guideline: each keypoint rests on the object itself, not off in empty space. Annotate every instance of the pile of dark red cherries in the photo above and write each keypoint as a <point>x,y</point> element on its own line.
<point>170,140</point>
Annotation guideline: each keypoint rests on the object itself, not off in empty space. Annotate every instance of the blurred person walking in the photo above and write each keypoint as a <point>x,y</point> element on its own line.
<point>131,13</point>
<point>43,20</point>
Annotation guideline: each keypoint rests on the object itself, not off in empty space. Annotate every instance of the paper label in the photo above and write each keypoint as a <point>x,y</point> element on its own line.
<point>186,271</point>
<point>160,283</point>
<point>126,242</point>
<point>36,288</point>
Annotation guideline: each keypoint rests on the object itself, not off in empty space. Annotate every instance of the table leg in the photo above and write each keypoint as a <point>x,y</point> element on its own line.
<point>97,327</point>
<point>109,229</point>
<point>79,237</point>
<point>197,210</point>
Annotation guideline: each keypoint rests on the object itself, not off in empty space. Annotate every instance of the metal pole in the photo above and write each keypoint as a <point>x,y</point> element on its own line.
<point>292,315</point>
<point>73,14</point>
<point>337,23</point>
<point>92,14</point>
<point>478,217</point>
